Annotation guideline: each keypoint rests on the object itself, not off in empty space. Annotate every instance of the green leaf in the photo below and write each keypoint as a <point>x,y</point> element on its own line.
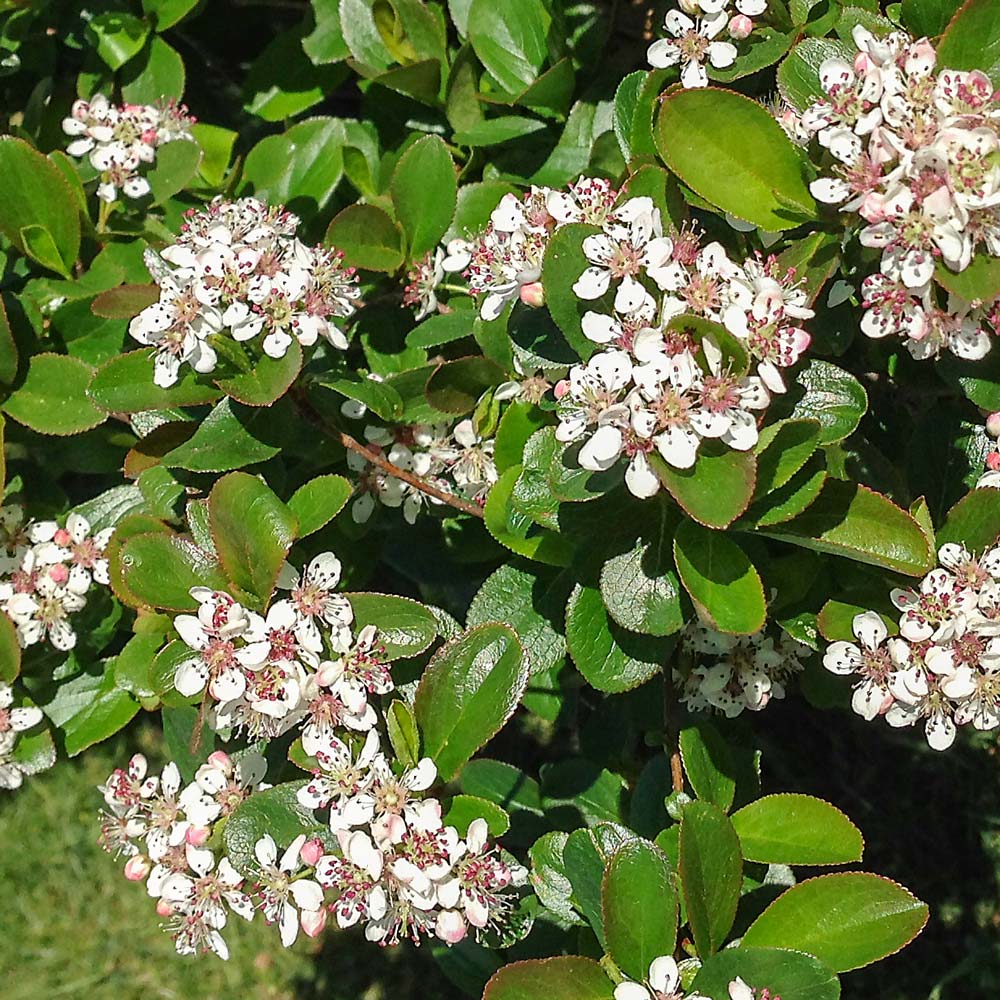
<point>468,691</point>
<point>133,665</point>
<point>217,151</point>
<point>252,530</point>
<point>125,385</point>
<point>503,784</point>
<point>405,627</point>
<point>979,380</point>
<point>167,13</point>
<point>927,18</point>
<point>826,393</point>
<point>548,876</point>
<point>8,349</point>
<point>578,789</point>
<point>325,44</point>
<point>496,131</point>
<point>790,500</point>
<point>158,75</point>
<point>316,503</point>
<point>639,903</point>
<point>847,920</point>
<point>226,439</point>
<point>530,600</point>
<point>711,872</point>
<point>267,381</point>
<point>516,530</point>
<point>611,658</point>
<point>974,521</point>
<point>716,489</point>
<point>510,39</point>
<point>124,301</point>
<point>760,179</point>
<point>117,37</point>
<point>979,282</point>
<point>52,399</point>
<point>160,570</point>
<point>176,166</point>
<point>403,733</point>
<point>37,194</point>
<point>782,449</point>
<point>853,521</point>
<point>639,587</point>
<point>972,39</point>
<point>792,829</point>
<point>586,855</point>
<point>792,975</point>
<point>300,168</point>
<point>380,397</point>
<point>455,386</point>
<point>708,764</point>
<point>109,711</point>
<point>282,82</point>
<point>723,583</point>
<point>10,651</point>
<point>369,239</point>
<point>565,977</point>
<point>426,166</point>
<point>764,48</point>
<point>275,811</point>
<point>464,809</point>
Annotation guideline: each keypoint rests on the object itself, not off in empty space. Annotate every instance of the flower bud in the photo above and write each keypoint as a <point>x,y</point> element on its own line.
<point>59,573</point>
<point>163,908</point>
<point>62,537</point>
<point>993,461</point>
<point>197,835</point>
<point>993,424</point>
<point>137,868</point>
<point>740,27</point>
<point>221,761</point>
<point>533,295</point>
<point>561,388</point>
<point>862,63</point>
<point>450,926</point>
<point>313,922</point>
<point>311,851</point>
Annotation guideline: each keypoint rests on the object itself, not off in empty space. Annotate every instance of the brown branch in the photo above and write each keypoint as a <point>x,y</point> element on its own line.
<point>376,458</point>
<point>671,729</point>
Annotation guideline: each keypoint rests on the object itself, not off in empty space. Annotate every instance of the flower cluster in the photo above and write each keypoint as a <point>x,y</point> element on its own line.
<point>119,139</point>
<point>456,460</point>
<point>731,673</point>
<point>238,267</point>
<point>664,983</point>
<point>648,390</point>
<point>162,829</point>
<point>296,664</point>
<point>944,666</point>
<point>399,869</point>
<point>505,261</point>
<point>916,151</point>
<point>12,722</point>
<point>693,37</point>
<point>45,573</point>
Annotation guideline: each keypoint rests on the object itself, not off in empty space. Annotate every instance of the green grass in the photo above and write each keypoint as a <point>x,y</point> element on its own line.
<point>72,927</point>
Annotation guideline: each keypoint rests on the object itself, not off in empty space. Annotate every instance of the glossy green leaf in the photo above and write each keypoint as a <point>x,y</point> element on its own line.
<point>972,39</point>
<point>160,570</point>
<point>565,977</point>
<point>318,502</point>
<point>267,381</point>
<point>760,180</point>
<point>847,920</point>
<point>426,166</point>
<point>468,691</point>
<point>639,903</point>
<point>711,873</point>
<point>10,651</point>
<point>230,437</point>
<point>405,627</point>
<point>783,448</point>
<point>798,75</point>
<point>176,166</point>
<point>118,37</point>
<point>510,39</point>
<point>52,399</point>
<point>455,386</point>
<point>853,521</point>
<point>157,76</point>
<point>792,829</point>
<point>369,239</point>
<point>37,194</point>
<point>974,521</point>
<point>125,385</point>
<point>109,711</point>
<point>792,975</point>
<point>404,736</point>
<point>564,262</point>
<point>723,583</point>
<point>464,809</point>
<point>708,764</point>
<point>516,530</point>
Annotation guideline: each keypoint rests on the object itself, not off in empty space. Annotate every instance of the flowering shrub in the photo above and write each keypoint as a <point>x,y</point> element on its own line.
<point>460,480</point>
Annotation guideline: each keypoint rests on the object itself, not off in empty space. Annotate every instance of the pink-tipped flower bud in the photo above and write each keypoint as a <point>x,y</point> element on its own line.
<point>993,461</point>
<point>62,537</point>
<point>221,761</point>
<point>561,388</point>
<point>450,926</point>
<point>196,836</point>
<point>862,63</point>
<point>533,295</point>
<point>993,424</point>
<point>163,908</point>
<point>311,851</point>
<point>313,922</point>
<point>59,573</point>
<point>137,868</point>
<point>740,27</point>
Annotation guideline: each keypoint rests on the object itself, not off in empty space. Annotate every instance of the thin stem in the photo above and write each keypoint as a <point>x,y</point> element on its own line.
<point>104,210</point>
<point>671,730</point>
<point>378,459</point>
<point>460,289</point>
<point>199,724</point>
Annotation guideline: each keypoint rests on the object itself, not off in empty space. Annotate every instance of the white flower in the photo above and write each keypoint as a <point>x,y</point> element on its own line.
<point>278,892</point>
<point>691,45</point>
